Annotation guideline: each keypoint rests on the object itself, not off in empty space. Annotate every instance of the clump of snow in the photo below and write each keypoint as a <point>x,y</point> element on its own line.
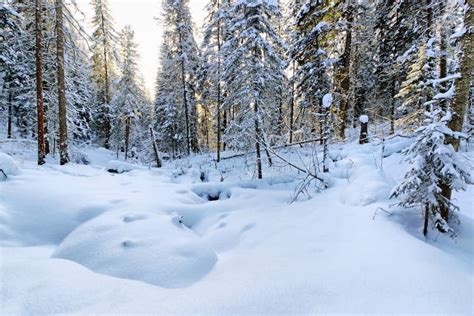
<point>148,247</point>
<point>364,119</point>
<point>213,192</point>
<point>116,166</point>
<point>327,100</point>
<point>8,165</point>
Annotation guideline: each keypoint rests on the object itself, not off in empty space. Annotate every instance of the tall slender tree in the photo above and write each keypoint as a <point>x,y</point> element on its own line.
<point>103,58</point>
<point>63,139</point>
<point>253,71</point>
<point>39,84</point>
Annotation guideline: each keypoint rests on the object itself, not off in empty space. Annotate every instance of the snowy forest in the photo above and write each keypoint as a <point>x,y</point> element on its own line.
<point>295,157</point>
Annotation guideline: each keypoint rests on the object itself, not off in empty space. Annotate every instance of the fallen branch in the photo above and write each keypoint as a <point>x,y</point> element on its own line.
<point>4,174</point>
<point>273,147</point>
<point>381,209</point>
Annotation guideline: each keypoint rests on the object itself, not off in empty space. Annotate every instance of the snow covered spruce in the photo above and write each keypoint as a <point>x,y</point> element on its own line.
<point>434,164</point>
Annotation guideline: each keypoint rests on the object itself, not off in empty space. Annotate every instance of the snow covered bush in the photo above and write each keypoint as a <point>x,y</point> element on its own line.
<point>433,163</point>
<point>8,165</point>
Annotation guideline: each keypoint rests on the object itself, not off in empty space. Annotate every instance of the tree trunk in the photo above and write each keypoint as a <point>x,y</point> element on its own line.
<point>324,137</point>
<point>218,86</point>
<point>460,101</point>
<point>364,133</point>
<point>443,68</point>
<point>292,107</point>
<point>62,107</point>
<point>10,116</point>
<point>257,143</point>
<point>39,84</point>
<point>127,136</point>
<point>224,127</point>
<point>426,220</point>
<point>155,148</point>
<point>344,73</point>
<point>186,108</point>
<point>107,125</point>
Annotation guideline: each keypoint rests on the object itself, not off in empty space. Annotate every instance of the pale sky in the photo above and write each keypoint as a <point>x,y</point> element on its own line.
<point>141,14</point>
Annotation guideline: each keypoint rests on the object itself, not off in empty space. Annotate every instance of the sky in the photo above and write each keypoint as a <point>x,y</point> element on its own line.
<point>141,15</point>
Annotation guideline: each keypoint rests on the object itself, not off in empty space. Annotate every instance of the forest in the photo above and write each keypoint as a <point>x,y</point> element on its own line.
<point>351,120</point>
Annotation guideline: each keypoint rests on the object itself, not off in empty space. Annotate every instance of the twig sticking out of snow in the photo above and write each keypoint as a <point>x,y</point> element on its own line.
<point>381,209</point>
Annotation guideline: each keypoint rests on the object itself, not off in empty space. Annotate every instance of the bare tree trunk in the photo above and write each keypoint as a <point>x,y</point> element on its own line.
<point>257,143</point>
<point>224,127</point>
<point>39,84</point>
<point>155,148</point>
<point>218,86</point>
<point>443,68</point>
<point>107,125</point>
<point>364,133</point>
<point>344,73</point>
<point>292,107</point>
<point>62,107</point>
<point>186,108</point>
<point>127,136</point>
<point>426,221</point>
<point>10,116</point>
<point>460,101</point>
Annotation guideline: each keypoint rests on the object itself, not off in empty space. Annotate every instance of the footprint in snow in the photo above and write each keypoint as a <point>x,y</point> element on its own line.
<point>133,218</point>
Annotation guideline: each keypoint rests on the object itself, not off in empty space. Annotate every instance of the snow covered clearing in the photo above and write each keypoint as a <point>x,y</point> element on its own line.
<point>78,239</point>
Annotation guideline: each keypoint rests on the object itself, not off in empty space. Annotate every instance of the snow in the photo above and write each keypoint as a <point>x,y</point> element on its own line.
<point>327,100</point>
<point>117,243</point>
<point>86,241</point>
<point>8,165</point>
<point>364,119</point>
<point>446,95</point>
<point>117,166</point>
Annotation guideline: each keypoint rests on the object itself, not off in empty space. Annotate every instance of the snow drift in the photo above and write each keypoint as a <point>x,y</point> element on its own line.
<point>8,165</point>
<point>146,247</point>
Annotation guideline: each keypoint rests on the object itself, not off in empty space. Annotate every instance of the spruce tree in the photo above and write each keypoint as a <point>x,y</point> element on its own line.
<point>103,71</point>
<point>253,71</point>
<point>433,163</point>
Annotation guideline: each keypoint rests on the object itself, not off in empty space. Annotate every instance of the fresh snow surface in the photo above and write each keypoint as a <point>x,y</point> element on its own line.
<point>8,165</point>
<point>120,166</point>
<point>327,100</point>
<point>77,239</point>
<point>142,246</point>
<point>364,119</point>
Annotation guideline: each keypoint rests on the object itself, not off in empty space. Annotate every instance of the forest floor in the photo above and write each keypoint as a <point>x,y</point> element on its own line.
<point>78,239</point>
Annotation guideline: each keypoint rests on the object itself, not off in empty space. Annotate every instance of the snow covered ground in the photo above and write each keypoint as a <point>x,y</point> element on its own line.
<point>78,239</point>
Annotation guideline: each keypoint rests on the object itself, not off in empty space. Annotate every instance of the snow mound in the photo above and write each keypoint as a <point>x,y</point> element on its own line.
<point>8,165</point>
<point>115,166</point>
<point>367,185</point>
<point>147,247</point>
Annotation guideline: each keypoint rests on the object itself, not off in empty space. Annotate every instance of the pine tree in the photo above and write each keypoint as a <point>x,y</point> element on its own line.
<point>343,66</point>
<point>129,99</point>
<point>166,110</point>
<point>433,163</point>
<point>103,60</point>
<point>179,62</point>
<point>311,62</point>
<point>214,35</point>
<point>17,69</point>
<point>253,70</point>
